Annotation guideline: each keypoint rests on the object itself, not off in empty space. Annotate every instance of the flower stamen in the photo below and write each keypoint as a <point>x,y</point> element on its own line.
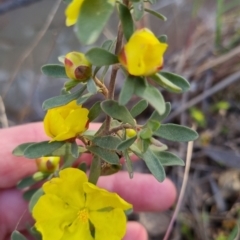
<point>83,215</point>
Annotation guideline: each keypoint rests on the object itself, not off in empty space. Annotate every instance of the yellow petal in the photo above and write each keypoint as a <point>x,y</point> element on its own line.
<point>77,231</point>
<point>109,225</point>
<point>52,215</point>
<point>104,198</point>
<point>77,120</point>
<point>54,123</point>
<point>72,12</point>
<point>68,187</point>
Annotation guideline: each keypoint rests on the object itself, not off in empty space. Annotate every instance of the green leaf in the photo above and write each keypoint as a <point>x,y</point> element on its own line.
<point>139,108</point>
<point>157,117</point>
<point>95,170</point>
<point>92,18</point>
<point>74,150</point>
<point>94,111</point>
<point>128,163</point>
<point>84,98</point>
<point>152,95</point>
<point>107,45</point>
<point>169,159</point>
<point>16,235</point>
<point>54,70</point>
<point>83,167</point>
<point>153,125</point>
<point>176,133</point>
<point>107,142</point>
<point>109,169</point>
<point>176,80</point>
<point>144,144</point>
<point>138,10</point>
<point>145,133</point>
<point>27,195</point>
<point>154,165</point>
<point>163,38</point>
<point>126,20</point>
<point>126,143</point>
<point>19,150</point>
<point>62,99</point>
<point>41,149</point>
<point>70,84</point>
<point>91,86</point>
<point>35,198</point>
<point>26,182</point>
<point>165,83</point>
<point>127,89</point>
<point>107,155</point>
<point>101,57</point>
<point>114,110</point>
<point>156,14</point>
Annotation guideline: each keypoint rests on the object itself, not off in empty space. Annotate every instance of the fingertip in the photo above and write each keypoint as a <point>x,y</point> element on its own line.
<point>135,231</point>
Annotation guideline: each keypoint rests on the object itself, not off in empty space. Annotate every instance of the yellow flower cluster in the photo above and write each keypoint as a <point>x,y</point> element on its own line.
<point>72,208</point>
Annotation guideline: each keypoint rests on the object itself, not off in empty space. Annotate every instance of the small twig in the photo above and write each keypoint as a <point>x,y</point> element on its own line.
<point>3,116</point>
<point>182,192</point>
<point>221,85</point>
<point>33,45</point>
<point>101,85</point>
<point>121,127</point>
<point>114,74</point>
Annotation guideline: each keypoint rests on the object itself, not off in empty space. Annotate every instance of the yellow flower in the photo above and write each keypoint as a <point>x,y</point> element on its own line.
<point>77,66</point>
<point>48,164</point>
<point>72,12</point>
<point>66,122</point>
<point>143,53</point>
<point>72,208</point>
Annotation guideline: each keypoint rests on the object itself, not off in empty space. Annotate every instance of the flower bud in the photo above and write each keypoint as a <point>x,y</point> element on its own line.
<point>143,53</point>
<point>48,164</point>
<point>131,133</point>
<point>77,66</point>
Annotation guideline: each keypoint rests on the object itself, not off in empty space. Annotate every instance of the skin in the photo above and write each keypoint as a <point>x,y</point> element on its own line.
<point>13,209</point>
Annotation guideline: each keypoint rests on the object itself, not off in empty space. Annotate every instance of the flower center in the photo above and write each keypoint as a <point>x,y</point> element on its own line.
<point>83,215</point>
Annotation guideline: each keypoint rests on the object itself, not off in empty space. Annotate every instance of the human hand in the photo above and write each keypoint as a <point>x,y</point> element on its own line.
<point>143,191</point>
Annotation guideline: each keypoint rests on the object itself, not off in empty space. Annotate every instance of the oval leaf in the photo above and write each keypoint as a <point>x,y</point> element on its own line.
<point>157,117</point>
<point>176,133</point>
<point>19,150</point>
<point>114,110</point>
<point>128,163</point>
<point>16,235</point>
<point>126,144</point>
<point>139,108</point>
<point>92,18</point>
<point>35,198</point>
<point>156,14</point>
<point>177,80</point>
<point>169,159</point>
<point>107,155</point>
<point>138,10</point>
<point>152,95</point>
<point>165,83</point>
<point>42,149</point>
<point>101,57</point>
<point>94,111</point>
<point>126,20</point>
<point>127,89</point>
<point>108,142</point>
<point>54,70</point>
<point>26,182</point>
<point>62,99</point>
<point>154,165</point>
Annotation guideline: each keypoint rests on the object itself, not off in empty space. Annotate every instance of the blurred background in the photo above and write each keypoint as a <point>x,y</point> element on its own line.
<point>204,47</point>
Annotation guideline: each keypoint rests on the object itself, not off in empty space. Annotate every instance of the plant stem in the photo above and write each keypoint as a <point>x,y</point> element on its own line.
<point>101,85</point>
<point>116,129</point>
<point>114,74</point>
